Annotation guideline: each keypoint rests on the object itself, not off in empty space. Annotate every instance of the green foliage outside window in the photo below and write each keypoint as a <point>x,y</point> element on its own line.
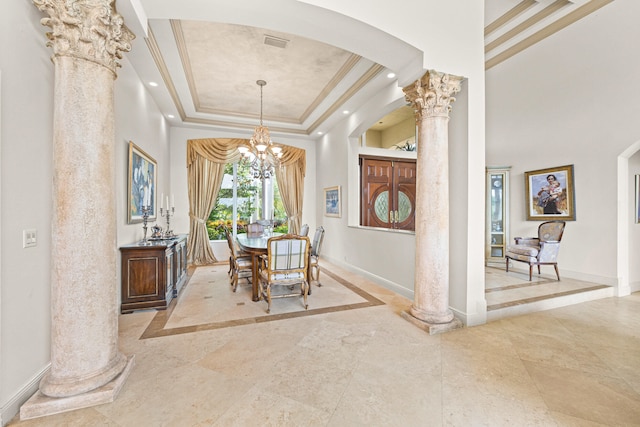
<point>247,193</point>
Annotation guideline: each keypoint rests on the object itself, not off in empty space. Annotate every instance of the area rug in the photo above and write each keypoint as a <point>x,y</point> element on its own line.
<point>208,302</point>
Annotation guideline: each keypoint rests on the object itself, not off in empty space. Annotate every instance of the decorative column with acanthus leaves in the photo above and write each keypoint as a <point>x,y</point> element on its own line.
<point>431,97</point>
<point>87,367</point>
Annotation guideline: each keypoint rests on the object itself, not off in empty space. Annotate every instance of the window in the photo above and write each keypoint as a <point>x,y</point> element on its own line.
<point>388,192</point>
<point>238,202</point>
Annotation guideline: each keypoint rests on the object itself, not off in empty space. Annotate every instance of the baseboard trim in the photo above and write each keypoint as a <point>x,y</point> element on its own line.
<point>11,408</point>
<point>392,286</point>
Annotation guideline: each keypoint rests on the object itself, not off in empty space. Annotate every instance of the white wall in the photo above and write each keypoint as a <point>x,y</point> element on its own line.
<point>634,228</point>
<point>26,196</point>
<point>26,175</point>
<point>572,99</point>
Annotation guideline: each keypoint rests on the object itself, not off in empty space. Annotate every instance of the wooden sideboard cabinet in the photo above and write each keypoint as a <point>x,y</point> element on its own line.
<point>152,273</point>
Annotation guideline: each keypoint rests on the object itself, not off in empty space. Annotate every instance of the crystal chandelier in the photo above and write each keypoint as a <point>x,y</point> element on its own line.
<point>261,153</point>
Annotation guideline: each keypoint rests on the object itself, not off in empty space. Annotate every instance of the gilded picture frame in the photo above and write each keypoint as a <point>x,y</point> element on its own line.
<point>332,202</point>
<point>550,194</point>
<point>141,184</point>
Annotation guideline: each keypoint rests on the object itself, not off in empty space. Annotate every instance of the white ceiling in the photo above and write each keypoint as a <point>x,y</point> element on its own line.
<point>207,71</point>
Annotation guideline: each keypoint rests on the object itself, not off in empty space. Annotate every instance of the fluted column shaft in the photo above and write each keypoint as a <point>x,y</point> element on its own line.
<point>86,38</point>
<point>431,98</point>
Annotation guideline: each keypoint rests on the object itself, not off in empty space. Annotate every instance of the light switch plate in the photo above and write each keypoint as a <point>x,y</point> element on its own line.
<point>29,238</point>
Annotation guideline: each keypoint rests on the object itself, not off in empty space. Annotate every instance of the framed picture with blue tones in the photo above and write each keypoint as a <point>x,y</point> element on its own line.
<point>142,185</point>
<point>332,202</point>
<point>550,194</point>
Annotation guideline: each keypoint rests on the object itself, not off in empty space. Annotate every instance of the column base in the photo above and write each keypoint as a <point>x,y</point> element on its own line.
<point>432,328</point>
<point>40,405</point>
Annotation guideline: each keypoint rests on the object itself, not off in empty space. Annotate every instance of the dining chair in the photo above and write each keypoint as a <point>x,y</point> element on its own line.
<point>240,263</point>
<point>304,230</point>
<point>255,229</point>
<point>283,268</point>
<point>314,256</point>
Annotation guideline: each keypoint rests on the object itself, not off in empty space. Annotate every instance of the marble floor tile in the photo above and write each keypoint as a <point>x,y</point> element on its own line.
<point>215,358</point>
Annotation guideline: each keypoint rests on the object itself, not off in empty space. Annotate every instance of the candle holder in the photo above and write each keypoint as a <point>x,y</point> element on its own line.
<point>145,218</point>
<point>168,213</point>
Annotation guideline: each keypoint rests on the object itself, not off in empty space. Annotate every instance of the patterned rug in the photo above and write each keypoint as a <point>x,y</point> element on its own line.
<point>208,302</point>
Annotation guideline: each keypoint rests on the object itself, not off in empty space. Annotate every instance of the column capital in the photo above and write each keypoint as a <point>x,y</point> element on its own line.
<point>86,29</point>
<point>431,94</point>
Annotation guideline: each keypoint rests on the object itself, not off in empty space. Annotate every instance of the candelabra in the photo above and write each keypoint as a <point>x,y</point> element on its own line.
<point>145,217</point>
<point>168,213</point>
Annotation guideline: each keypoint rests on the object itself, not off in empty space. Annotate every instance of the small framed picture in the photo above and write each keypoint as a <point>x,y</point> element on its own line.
<point>550,194</point>
<point>332,202</point>
<point>142,184</point>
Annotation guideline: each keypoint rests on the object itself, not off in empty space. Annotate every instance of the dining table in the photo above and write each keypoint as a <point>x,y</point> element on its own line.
<point>255,245</point>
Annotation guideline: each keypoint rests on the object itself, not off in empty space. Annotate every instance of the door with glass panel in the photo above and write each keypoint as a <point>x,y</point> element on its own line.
<point>388,193</point>
<point>497,215</point>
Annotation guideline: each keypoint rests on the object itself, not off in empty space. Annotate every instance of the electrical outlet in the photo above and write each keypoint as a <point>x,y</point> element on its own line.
<point>29,238</point>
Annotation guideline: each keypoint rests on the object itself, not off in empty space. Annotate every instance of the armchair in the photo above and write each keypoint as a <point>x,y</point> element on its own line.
<point>285,265</point>
<point>541,250</point>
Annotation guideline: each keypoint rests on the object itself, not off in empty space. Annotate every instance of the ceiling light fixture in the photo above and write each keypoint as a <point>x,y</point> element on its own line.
<point>263,154</point>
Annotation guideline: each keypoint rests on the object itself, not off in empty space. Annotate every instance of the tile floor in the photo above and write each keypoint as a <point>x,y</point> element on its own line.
<point>361,364</point>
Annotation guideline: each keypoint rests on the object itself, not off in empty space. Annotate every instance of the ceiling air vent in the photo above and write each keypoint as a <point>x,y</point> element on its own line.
<point>275,41</point>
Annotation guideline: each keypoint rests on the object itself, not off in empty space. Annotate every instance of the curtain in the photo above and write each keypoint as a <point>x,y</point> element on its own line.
<point>206,159</point>
<point>290,176</point>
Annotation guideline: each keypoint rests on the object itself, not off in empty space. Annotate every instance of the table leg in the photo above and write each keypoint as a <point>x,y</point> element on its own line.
<point>254,276</point>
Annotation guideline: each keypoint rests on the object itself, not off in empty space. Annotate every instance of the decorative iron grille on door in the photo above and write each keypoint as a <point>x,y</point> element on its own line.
<point>388,192</point>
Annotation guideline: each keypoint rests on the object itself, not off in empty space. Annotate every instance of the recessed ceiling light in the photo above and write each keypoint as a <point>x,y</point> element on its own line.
<point>154,84</point>
<point>345,112</point>
<point>319,132</point>
<point>171,116</point>
<point>391,75</point>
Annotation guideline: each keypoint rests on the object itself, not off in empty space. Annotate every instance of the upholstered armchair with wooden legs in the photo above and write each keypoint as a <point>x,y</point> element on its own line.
<point>240,264</point>
<point>284,267</point>
<point>541,250</point>
<point>316,246</point>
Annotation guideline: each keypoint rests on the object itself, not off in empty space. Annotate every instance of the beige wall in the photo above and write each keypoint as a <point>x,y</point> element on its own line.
<point>571,99</point>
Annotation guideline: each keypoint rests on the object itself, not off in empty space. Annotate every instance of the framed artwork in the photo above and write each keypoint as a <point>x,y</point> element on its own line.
<point>332,202</point>
<point>142,184</point>
<point>550,194</point>
<point>637,199</point>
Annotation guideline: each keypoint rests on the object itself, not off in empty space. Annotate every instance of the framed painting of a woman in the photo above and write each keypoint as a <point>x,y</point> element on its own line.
<point>550,194</point>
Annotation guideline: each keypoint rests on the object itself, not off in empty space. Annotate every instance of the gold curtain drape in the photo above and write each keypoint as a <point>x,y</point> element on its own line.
<point>290,176</point>
<point>206,159</point>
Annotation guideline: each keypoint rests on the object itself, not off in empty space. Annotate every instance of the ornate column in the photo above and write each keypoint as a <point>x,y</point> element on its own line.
<point>86,366</point>
<point>431,98</point>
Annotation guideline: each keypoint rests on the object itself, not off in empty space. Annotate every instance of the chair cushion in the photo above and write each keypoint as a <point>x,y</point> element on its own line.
<point>527,251</point>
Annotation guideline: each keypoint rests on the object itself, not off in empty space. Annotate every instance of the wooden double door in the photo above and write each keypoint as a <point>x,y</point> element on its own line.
<point>388,195</point>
